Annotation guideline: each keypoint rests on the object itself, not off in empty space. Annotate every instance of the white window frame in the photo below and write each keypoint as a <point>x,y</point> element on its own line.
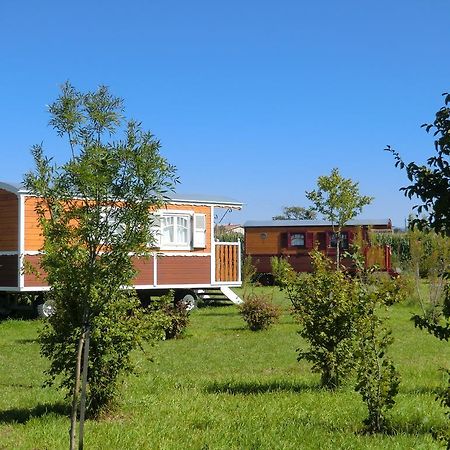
<point>176,214</point>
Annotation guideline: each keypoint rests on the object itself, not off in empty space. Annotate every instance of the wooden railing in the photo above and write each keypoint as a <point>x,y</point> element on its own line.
<point>228,262</point>
<point>378,255</point>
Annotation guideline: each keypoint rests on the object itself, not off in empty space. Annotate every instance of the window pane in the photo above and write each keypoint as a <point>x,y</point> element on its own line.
<point>297,240</point>
<point>167,230</point>
<point>182,230</point>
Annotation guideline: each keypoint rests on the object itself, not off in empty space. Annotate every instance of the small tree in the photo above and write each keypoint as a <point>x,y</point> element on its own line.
<point>338,200</point>
<point>377,377</point>
<point>328,307</point>
<point>296,213</point>
<point>94,212</point>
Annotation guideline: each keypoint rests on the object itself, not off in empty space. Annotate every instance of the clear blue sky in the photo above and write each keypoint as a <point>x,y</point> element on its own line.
<point>250,99</point>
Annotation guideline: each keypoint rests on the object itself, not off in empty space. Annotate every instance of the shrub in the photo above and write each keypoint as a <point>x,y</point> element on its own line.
<point>327,305</point>
<point>259,312</point>
<point>178,320</point>
<point>173,318</point>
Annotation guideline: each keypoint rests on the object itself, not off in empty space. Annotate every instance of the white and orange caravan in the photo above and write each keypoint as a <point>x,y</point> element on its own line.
<point>187,258</point>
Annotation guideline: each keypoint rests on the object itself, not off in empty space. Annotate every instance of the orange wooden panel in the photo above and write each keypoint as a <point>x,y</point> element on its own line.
<point>34,239</point>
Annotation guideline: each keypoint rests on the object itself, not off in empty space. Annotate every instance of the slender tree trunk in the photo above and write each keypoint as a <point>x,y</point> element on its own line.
<point>84,385</point>
<point>76,389</point>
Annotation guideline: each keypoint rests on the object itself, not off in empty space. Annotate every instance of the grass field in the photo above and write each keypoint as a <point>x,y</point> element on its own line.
<point>224,387</point>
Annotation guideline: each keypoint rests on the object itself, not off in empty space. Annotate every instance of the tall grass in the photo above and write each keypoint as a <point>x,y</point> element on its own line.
<point>223,387</point>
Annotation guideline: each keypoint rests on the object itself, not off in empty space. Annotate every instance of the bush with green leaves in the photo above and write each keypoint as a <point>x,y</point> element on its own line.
<point>327,305</point>
<point>377,377</point>
<point>259,312</point>
<point>175,316</point>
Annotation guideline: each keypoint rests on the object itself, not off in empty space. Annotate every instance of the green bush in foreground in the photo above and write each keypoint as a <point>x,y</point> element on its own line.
<point>259,312</point>
<point>328,307</point>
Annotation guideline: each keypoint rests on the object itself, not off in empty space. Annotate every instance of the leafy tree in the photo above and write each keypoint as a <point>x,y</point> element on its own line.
<point>431,184</point>
<point>94,212</point>
<point>338,200</point>
<point>296,213</point>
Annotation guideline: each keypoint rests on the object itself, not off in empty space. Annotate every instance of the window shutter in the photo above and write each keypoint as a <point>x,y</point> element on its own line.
<point>155,231</point>
<point>199,231</point>
<point>351,237</point>
<point>309,240</point>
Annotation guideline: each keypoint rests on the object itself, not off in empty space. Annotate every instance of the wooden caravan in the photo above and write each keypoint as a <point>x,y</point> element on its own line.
<point>187,257</point>
<point>294,239</point>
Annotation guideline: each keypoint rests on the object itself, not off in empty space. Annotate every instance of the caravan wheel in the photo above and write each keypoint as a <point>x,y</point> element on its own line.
<point>189,301</point>
<point>45,309</point>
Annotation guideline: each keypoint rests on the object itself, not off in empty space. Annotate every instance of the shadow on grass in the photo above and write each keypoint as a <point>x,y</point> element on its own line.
<point>410,428</point>
<point>421,390</point>
<point>27,341</point>
<point>23,415</point>
<point>214,304</point>
<point>251,388</point>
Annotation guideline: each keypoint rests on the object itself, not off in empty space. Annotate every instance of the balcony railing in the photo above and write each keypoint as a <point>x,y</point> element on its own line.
<point>228,262</point>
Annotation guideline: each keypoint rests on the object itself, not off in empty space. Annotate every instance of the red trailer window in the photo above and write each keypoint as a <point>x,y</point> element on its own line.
<point>297,240</point>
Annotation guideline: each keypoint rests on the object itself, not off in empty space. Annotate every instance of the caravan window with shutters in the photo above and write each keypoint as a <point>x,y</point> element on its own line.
<point>184,230</point>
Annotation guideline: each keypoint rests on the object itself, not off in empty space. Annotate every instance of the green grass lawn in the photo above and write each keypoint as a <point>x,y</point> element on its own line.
<point>223,387</point>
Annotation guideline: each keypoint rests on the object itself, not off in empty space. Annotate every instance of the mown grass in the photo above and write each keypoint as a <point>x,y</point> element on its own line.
<point>224,387</point>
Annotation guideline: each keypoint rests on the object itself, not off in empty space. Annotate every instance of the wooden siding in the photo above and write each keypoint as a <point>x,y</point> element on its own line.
<point>261,243</point>
<point>172,270</point>
<point>34,239</point>
<point>9,223</point>
<point>144,266</point>
<point>184,270</point>
<point>32,279</point>
<point>8,271</point>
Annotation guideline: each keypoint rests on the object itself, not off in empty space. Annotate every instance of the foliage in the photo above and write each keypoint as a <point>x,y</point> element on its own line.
<point>223,234</point>
<point>377,377</point>
<point>259,312</point>
<point>175,317</point>
<point>248,273</point>
<point>338,200</point>
<point>282,271</point>
<point>118,325</point>
<point>327,306</point>
<point>399,243</point>
<point>296,213</point>
<point>94,213</point>
<point>431,183</point>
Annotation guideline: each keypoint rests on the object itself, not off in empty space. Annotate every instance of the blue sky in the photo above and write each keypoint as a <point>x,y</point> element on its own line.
<point>251,99</point>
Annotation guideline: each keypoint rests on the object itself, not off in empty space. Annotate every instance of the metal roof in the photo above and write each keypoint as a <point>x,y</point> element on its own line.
<point>311,223</point>
<point>206,199</point>
<point>15,188</point>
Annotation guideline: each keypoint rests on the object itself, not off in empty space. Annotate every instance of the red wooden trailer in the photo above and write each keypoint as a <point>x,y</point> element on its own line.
<point>294,239</point>
<point>186,258</point>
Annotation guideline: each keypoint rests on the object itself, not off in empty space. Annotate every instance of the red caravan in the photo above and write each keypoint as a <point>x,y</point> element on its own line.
<point>187,257</point>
